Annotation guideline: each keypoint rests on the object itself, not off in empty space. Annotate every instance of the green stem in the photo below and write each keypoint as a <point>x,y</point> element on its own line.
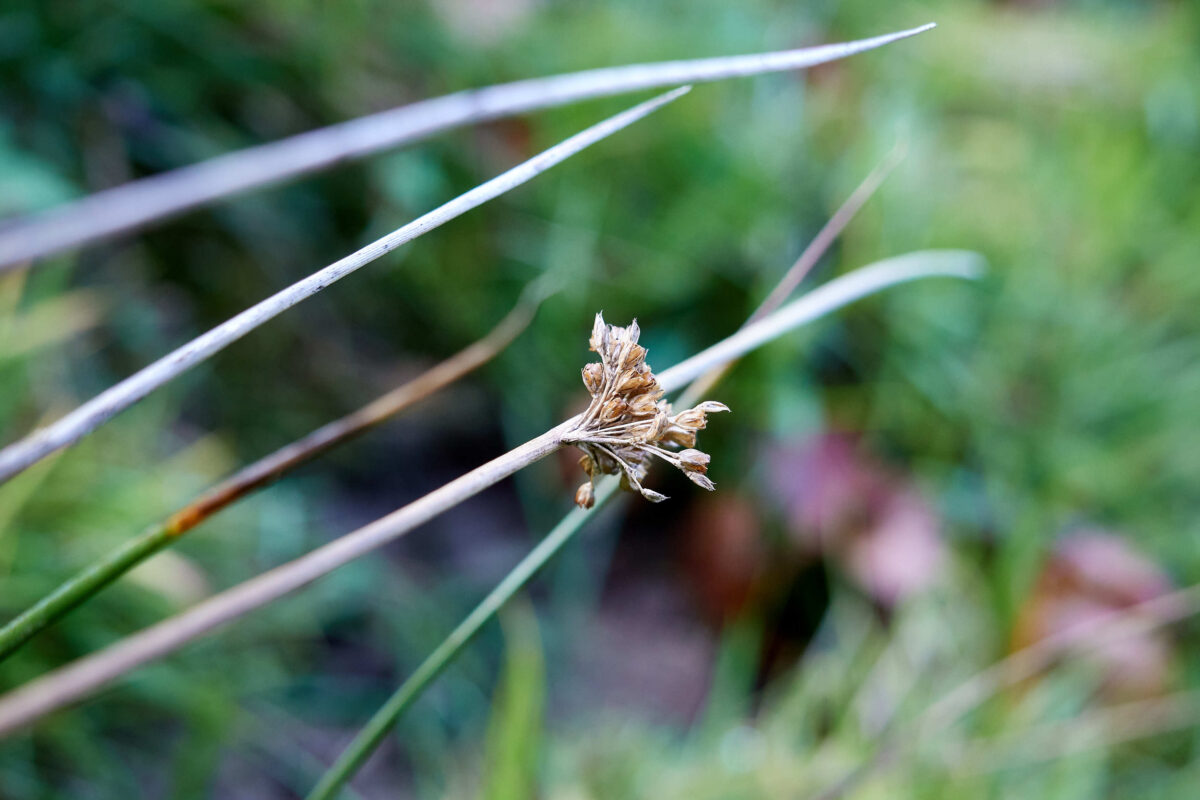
<point>82,586</point>
<point>385,718</point>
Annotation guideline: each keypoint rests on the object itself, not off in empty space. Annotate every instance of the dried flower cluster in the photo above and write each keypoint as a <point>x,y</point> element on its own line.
<point>627,421</point>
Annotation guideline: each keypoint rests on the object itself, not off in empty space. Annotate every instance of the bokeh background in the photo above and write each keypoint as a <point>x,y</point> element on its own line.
<point>908,491</point>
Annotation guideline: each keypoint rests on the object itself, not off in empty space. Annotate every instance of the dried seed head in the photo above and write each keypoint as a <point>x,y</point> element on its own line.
<point>627,422</point>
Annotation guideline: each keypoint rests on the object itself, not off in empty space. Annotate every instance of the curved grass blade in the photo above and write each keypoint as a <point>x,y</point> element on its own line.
<point>94,413</point>
<point>385,718</point>
<point>80,587</point>
<point>382,721</point>
<point>142,202</point>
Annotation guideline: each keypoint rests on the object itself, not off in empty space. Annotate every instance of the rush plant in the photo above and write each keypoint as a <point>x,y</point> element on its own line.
<point>628,425</point>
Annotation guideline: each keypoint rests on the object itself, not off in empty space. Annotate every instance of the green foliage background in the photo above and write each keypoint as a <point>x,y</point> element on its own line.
<point>1061,140</point>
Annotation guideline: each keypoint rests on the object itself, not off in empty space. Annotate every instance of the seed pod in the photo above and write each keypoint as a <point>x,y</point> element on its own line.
<point>644,405</point>
<point>588,465</point>
<point>693,419</point>
<point>694,460</point>
<point>680,437</point>
<point>599,340</point>
<point>593,378</point>
<point>613,410</point>
<point>654,430</point>
<point>634,357</point>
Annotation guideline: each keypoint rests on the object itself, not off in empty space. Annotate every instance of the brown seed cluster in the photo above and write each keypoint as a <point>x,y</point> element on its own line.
<point>628,422</point>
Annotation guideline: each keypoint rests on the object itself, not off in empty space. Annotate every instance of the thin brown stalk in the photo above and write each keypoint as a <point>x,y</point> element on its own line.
<point>82,586</point>
<point>804,264</point>
<point>270,468</point>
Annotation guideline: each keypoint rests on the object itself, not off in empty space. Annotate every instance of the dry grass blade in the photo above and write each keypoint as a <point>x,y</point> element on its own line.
<point>804,264</point>
<point>384,719</point>
<point>76,680</point>
<point>820,301</point>
<point>137,204</point>
<point>94,413</point>
<point>82,586</point>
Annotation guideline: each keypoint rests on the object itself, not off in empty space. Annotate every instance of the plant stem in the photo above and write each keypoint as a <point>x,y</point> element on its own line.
<point>78,679</point>
<point>94,413</point>
<point>80,587</point>
<point>158,197</point>
<point>1102,728</point>
<point>803,265</point>
<point>365,742</point>
<point>820,301</point>
<point>385,718</point>
<point>1027,662</point>
<point>83,676</point>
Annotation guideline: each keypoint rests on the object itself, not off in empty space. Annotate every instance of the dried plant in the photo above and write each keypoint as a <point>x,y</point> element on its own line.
<point>628,422</point>
<point>159,197</point>
<point>625,427</point>
<point>74,681</point>
<point>138,203</point>
<point>22,454</point>
<point>357,752</point>
<point>81,586</point>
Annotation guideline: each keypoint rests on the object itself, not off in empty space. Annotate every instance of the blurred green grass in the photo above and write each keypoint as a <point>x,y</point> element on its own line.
<point>1059,139</point>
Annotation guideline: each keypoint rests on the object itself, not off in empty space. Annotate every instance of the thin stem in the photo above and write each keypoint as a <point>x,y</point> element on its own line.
<point>804,264</point>
<point>1029,661</point>
<point>158,197</point>
<point>85,675</point>
<point>94,413</point>
<point>829,232</point>
<point>82,586</point>
<point>629,471</point>
<point>385,717</point>
<point>74,681</point>
<point>820,301</point>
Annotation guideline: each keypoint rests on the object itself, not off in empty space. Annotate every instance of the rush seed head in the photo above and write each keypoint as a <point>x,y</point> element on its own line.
<point>628,423</point>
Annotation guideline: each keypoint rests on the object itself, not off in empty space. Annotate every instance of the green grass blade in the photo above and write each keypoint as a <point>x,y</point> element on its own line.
<point>382,721</point>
